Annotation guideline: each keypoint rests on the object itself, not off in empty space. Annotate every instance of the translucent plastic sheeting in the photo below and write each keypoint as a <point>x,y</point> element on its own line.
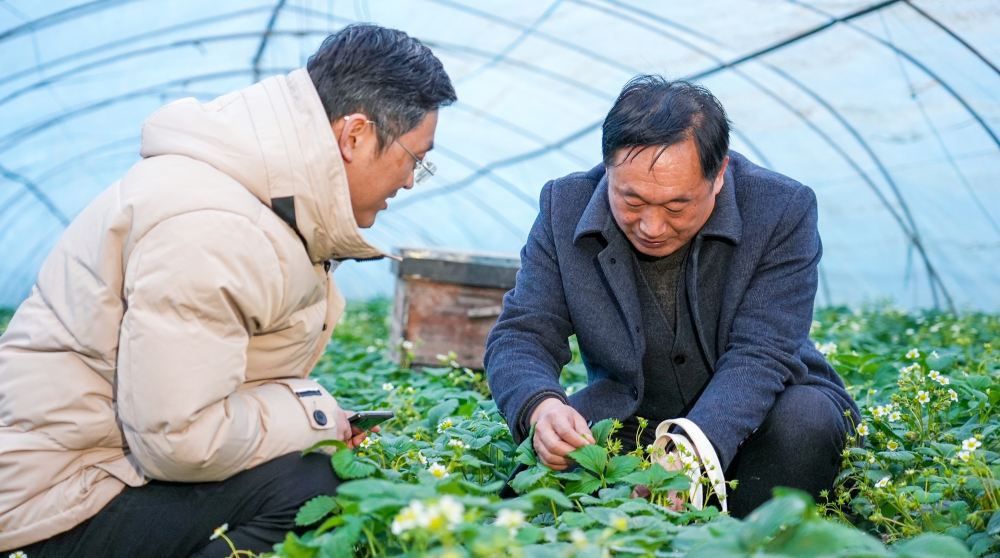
<point>888,110</point>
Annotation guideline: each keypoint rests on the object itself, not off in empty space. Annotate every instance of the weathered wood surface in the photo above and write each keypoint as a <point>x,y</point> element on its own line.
<point>441,317</point>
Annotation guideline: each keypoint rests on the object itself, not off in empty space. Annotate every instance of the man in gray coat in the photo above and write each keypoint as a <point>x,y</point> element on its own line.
<point>688,275</point>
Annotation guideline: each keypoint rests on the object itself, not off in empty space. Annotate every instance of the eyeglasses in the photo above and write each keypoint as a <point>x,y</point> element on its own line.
<point>423,169</point>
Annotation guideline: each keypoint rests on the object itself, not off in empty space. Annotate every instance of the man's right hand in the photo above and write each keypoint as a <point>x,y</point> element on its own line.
<point>559,429</point>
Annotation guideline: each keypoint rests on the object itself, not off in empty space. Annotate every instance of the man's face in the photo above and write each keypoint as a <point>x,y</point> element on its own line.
<point>660,210</point>
<point>372,176</point>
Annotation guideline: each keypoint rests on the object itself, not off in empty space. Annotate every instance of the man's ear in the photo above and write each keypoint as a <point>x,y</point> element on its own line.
<point>721,178</point>
<point>350,132</point>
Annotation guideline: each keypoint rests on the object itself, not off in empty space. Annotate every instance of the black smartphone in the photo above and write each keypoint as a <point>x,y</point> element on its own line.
<point>365,420</point>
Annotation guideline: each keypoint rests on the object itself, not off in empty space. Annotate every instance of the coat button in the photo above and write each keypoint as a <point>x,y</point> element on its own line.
<point>635,393</point>
<point>320,417</point>
<point>679,359</point>
<point>324,327</point>
<point>612,261</point>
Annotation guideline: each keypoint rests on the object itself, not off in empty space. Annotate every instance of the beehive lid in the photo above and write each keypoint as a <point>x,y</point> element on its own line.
<point>463,267</point>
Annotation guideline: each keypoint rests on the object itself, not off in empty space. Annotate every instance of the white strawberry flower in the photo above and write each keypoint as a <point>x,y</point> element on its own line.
<point>863,429</point>
<point>438,470</point>
<point>883,482</point>
<point>912,354</point>
<point>923,397</point>
<point>952,395</point>
<point>971,444</point>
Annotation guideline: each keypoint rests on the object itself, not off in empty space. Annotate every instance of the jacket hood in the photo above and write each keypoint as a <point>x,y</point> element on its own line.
<point>273,137</point>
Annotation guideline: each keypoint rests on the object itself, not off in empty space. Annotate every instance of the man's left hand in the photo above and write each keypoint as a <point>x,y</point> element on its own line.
<point>357,435</point>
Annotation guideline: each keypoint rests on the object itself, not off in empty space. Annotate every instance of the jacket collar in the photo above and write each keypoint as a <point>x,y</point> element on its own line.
<point>725,221</point>
<point>273,137</point>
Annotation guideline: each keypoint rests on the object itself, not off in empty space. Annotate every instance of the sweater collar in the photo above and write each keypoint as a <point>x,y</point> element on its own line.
<point>724,222</point>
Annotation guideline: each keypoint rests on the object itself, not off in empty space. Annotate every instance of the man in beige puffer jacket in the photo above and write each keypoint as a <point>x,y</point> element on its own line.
<point>154,384</point>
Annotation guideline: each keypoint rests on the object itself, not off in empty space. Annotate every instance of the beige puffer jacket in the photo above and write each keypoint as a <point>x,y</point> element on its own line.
<point>173,325</point>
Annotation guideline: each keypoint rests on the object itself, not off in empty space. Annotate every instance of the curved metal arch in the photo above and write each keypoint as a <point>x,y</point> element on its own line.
<point>491,176</point>
<point>912,232</point>
<point>8,141</point>
<point>474,177</point>
<point>505,51</point>
<point>265,36</point>
<point>142,52</point>
<point>508,125</point>
<point>40,179</point>
<point>37,192</point>
<point>446,46</point>
<point>126,41</point>
<point>61,16</point>
<point>953,35</point>
<point>492,18</point>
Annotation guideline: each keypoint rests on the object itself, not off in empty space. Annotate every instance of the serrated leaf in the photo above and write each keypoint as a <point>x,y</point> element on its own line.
<point>559,498</point>
<point>601,431</point>
<point>591,457</point>
<point>528,478</point>
<point>577,520</point>
<point>441,410</point>
<point>609,517</point>
<point>325,443</point>
<point>526,450</point>
<point>350,466</point>
<point>587,484</point>
<point>314,510</point>
<point>932,545</point>
<point>340,543</point>
<point>620,466</point>
<point>897,456</point>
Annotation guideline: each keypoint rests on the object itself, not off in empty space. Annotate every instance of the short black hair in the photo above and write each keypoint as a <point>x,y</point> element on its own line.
<point>653,111</point>
<point>383,73</point>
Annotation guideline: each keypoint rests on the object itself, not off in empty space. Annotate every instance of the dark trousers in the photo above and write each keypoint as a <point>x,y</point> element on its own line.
<point>798,445</point>
<point>173,520</point>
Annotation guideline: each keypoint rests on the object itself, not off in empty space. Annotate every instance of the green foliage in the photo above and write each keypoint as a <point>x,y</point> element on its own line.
<point>5,315</point>
<point>428,485</point>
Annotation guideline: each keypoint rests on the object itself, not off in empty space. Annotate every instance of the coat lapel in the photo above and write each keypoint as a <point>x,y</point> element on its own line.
<point>708,264</point>
<point>615,261</point>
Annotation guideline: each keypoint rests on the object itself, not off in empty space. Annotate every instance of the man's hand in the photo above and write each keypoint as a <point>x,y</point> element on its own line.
<point>675,464</point>
<point>559,429</point>
<point>351,435</point>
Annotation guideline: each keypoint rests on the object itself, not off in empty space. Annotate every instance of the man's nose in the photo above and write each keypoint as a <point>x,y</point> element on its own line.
<point>409,180</point>
<point>652,226</point>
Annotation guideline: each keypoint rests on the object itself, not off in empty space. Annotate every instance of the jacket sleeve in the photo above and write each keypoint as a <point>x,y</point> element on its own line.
<point>197,286</point>
<point>529,346</point>
<point>770,327</point>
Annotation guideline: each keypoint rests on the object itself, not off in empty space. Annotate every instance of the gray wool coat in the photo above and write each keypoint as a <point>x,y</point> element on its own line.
<point>752,270</point>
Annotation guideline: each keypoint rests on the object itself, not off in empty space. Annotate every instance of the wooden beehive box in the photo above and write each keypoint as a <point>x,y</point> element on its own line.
<point>449,300</point>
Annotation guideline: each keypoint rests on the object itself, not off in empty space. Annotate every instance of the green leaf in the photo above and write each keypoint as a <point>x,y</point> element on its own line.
<point>823,538</point>
<point>637,477</point>
<point>993,527</point>
<point>526,451</point>
<point>550,494</point>
<point>578,520</point>
<point>440,411</point>
<point>314,510</point>
<point>608,517</point>
<point>601,431</point>
<point>620,466</point>
<point>587,484</point>
<point>340,543</point>
<point>932,546</point>
<point>591,457</point>
<point>775,515</point>
<point>528,478</point>
<point>350,466</point>
<point>292,547</point>
<point>897,456</point>
<point>325,443</point>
